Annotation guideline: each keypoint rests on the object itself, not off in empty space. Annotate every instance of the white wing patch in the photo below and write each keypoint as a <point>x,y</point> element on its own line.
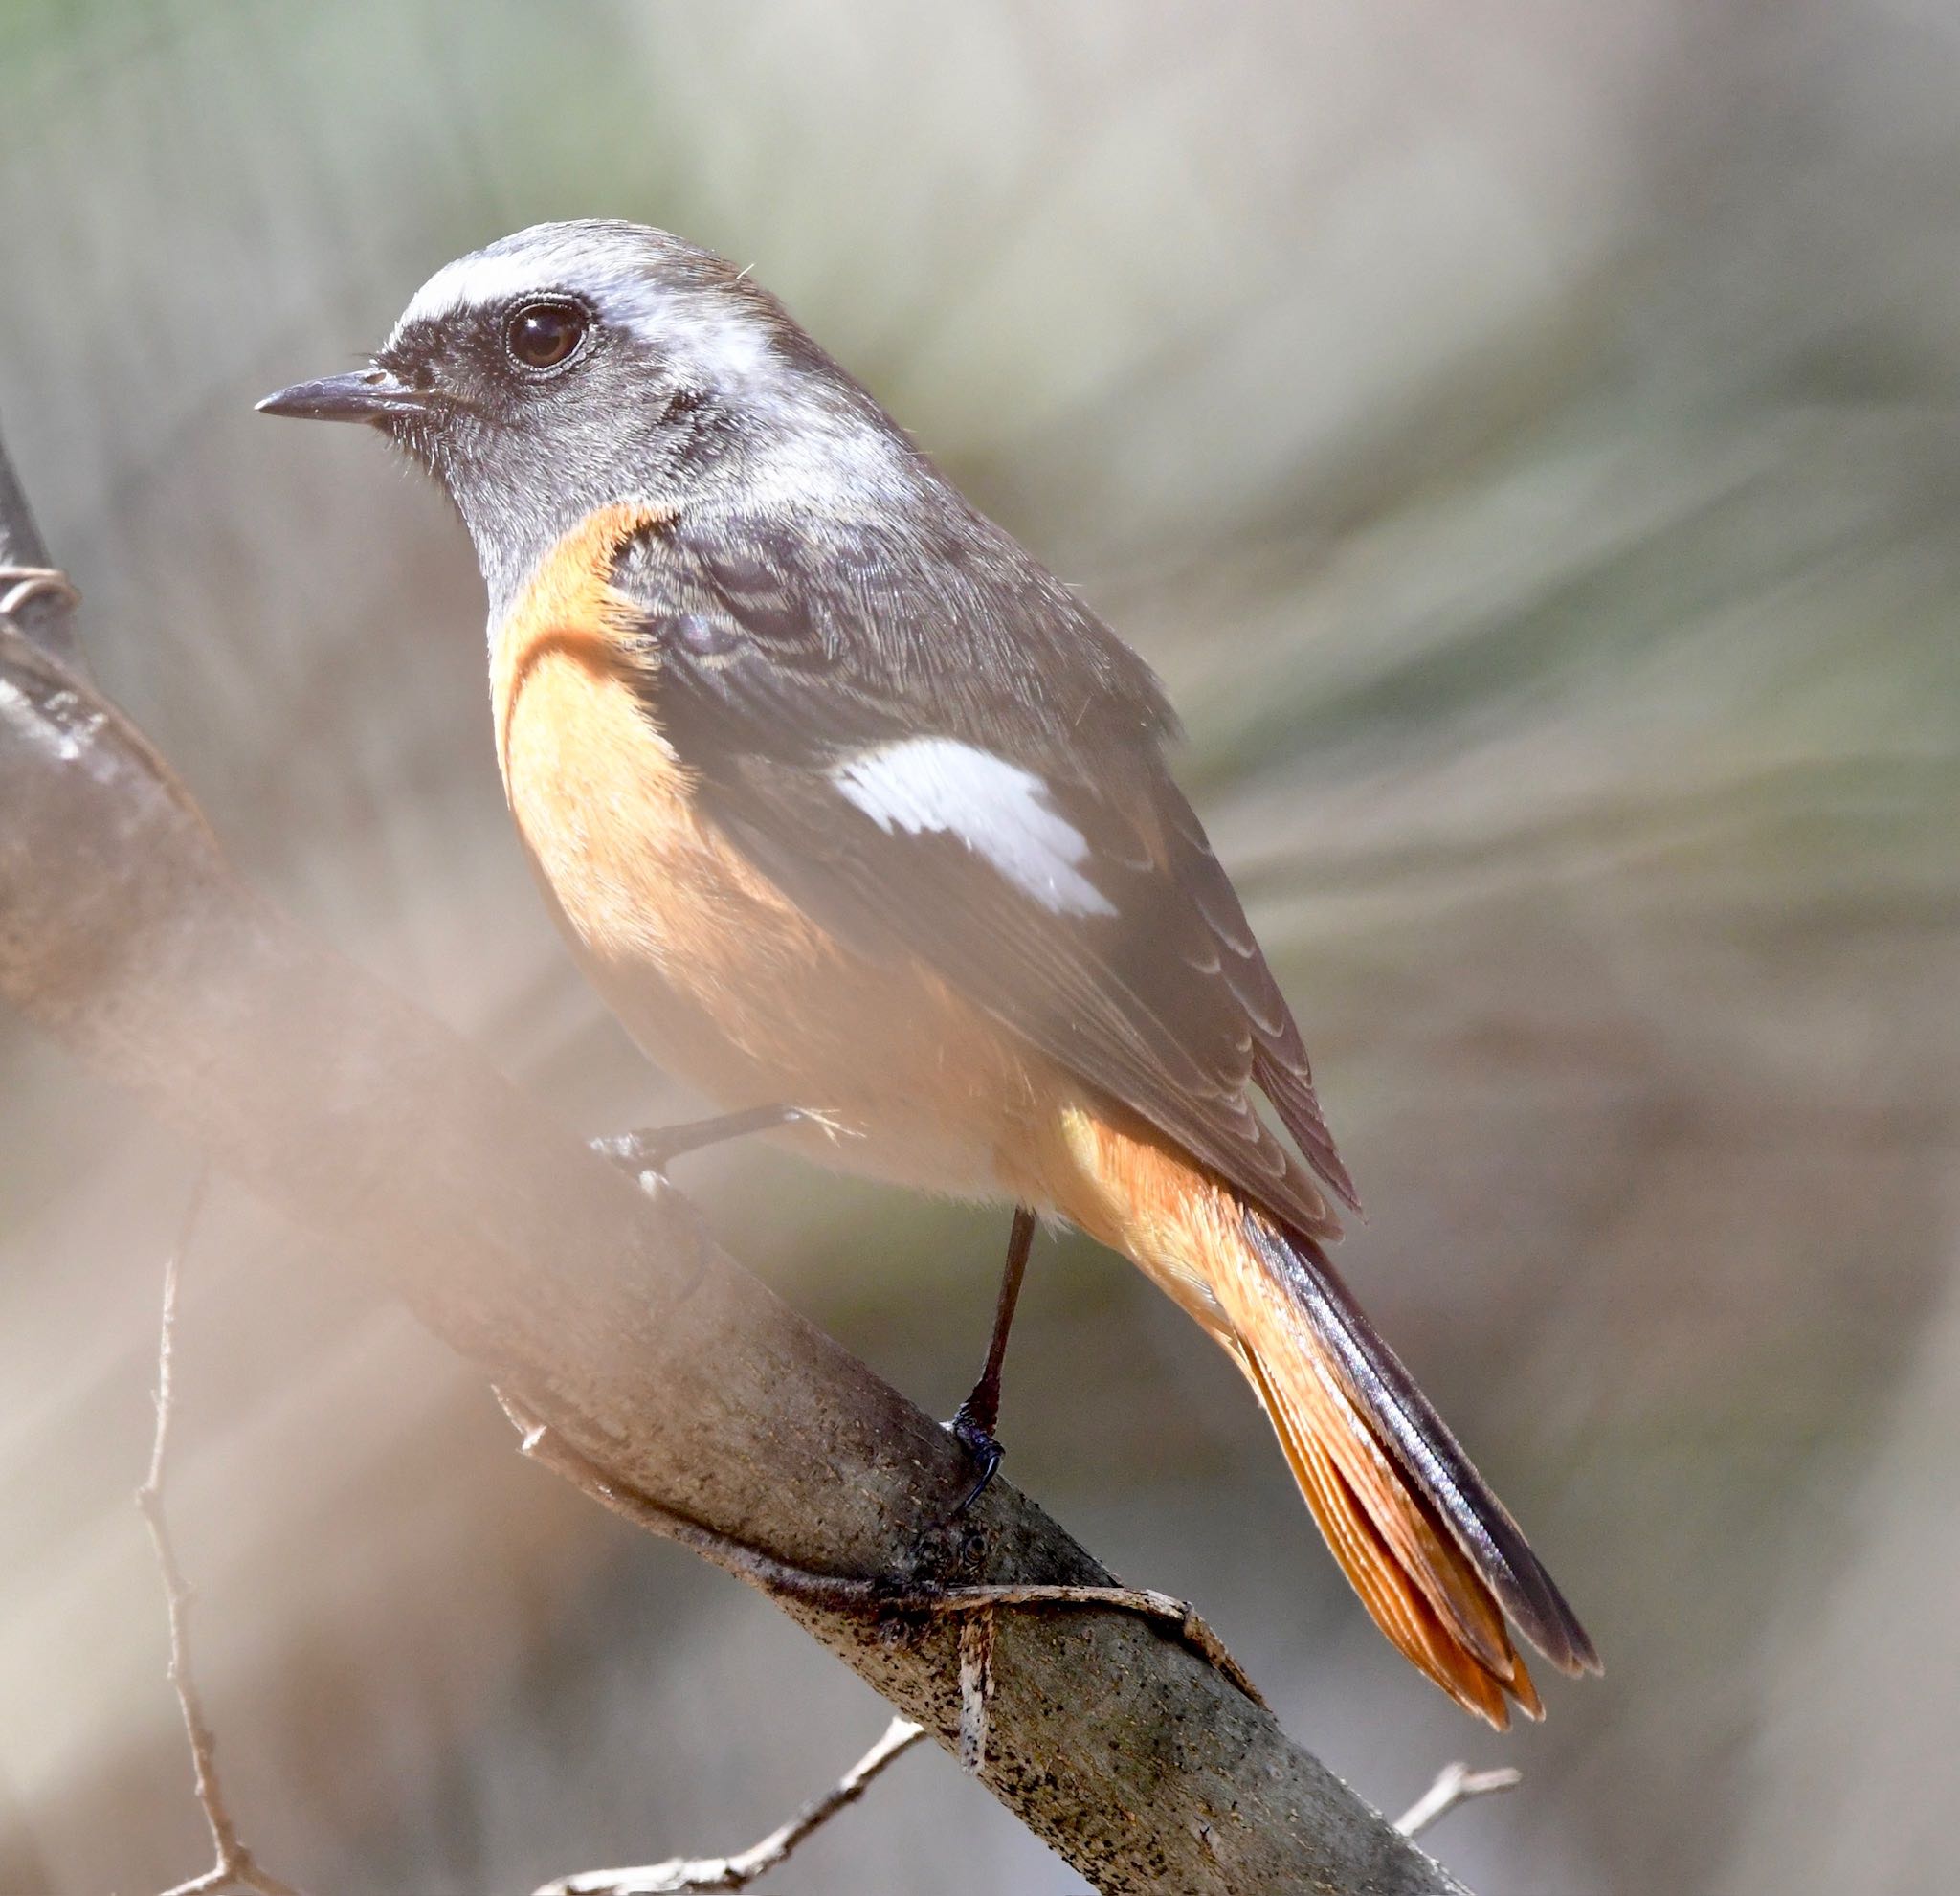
<point>998,810</point>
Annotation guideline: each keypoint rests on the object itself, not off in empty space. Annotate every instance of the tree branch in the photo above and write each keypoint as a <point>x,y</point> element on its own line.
<point>876,1595</point>
<point>617,1320</point>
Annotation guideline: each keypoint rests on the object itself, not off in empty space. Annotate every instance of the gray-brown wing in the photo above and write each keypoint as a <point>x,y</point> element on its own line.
<point>993,802</point>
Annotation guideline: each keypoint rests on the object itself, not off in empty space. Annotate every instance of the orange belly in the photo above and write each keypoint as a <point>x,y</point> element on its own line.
<point>714,973</point>
<point>727,984</point>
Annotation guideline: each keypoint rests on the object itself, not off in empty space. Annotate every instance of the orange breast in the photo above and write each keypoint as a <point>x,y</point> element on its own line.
<point>715,973</point>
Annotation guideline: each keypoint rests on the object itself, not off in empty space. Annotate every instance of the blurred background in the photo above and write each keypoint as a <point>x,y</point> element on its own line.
<point>1524,437</point>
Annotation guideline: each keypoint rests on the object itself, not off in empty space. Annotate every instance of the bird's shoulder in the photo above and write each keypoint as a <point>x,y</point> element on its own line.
<point>922,622</point>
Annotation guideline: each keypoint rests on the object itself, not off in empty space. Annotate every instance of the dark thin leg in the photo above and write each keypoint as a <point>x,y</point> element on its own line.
<point>975,1421</point>
<point>655,1147</point>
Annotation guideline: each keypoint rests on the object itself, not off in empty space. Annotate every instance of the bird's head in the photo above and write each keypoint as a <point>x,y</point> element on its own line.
<point>578,365</point>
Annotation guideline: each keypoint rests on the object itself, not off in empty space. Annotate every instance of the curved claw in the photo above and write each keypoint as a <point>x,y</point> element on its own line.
<point>979,1441</point>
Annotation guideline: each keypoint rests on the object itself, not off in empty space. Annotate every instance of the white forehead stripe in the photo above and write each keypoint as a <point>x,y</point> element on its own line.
<point>717,338</point>
<point>998,810</point>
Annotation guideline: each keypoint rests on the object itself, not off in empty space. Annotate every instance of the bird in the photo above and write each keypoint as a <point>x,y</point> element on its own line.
<point>861,821</point>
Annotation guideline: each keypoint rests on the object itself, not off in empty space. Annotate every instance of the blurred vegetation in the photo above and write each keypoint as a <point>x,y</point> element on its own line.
<point>1525,442</point>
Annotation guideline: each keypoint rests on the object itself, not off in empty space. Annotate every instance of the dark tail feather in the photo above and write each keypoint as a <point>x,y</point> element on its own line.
<point>1434,1553</point>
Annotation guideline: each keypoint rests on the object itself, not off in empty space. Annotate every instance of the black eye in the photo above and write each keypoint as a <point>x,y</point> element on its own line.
<point>541,335</point>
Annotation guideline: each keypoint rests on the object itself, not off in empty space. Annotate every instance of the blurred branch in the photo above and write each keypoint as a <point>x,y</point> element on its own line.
<point>1455,1784</point>
<point>739,1871</point>
<point>683,1384</point>
<point>235,1867</point>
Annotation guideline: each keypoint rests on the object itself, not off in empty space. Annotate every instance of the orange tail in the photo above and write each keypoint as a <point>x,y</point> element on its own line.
<point>1431,1552</point>
<point>1429,1547</point>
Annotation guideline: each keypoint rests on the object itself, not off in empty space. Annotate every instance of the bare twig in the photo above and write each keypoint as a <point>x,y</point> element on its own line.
<point>27,584</point>
<point>878,1598</point>
<point>38,597</point>
<point>1179,1614</point>
<point>739,1871</point>
<point>1455,1784</point>
<point>235,1867</point>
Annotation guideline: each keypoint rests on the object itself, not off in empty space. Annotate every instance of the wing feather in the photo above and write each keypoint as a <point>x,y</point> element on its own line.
<point>776,662</point>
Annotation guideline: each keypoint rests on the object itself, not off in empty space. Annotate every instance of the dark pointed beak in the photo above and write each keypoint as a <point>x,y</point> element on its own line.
<point>367,395</point>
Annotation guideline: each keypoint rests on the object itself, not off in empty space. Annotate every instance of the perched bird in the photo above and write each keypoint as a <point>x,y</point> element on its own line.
<point>845,803</point>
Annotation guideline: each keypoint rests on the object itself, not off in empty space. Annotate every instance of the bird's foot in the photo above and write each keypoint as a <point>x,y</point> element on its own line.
<point>648,1153</point>
<point>972,1427</point>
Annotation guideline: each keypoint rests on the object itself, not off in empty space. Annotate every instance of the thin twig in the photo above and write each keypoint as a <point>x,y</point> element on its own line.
<point>35,594</point>
<point>1455,1784</point>
<point>1147,1602</point>
<point>235,1867</point>
<point>841,1593</point>
<point>739,1871</point>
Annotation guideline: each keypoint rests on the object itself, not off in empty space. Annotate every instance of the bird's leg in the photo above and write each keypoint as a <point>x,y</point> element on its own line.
<point>975,1421</point>
<point>648,1153</point>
